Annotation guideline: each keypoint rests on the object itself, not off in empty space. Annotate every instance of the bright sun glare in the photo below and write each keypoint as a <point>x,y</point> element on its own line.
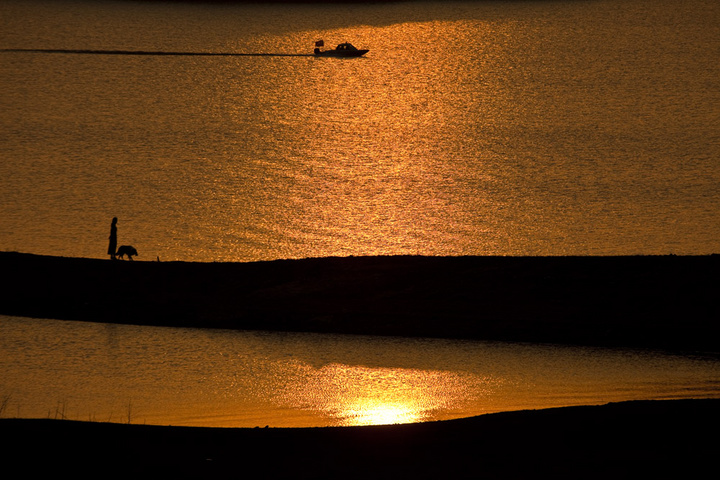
<point>374,413</point>
<point>360,395</point>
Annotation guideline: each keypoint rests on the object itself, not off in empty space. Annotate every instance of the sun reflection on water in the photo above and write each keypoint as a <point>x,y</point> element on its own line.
<point>372,412</point>
<point>360,395</point>
<point>360,148</point>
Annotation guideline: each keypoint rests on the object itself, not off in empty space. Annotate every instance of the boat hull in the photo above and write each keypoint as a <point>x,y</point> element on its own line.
<point>341,54</point>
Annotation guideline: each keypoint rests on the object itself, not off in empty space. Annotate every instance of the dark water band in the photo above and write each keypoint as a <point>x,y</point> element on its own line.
<point>141,52</point>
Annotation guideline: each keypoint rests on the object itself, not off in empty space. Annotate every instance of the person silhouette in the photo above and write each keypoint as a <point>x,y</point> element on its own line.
<point>112,247</point>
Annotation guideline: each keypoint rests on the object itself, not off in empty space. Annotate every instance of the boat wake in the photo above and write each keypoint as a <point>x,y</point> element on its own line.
<point>141,52</point>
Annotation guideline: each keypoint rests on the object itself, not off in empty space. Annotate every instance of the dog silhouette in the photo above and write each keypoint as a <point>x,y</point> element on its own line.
<point>128,250</point>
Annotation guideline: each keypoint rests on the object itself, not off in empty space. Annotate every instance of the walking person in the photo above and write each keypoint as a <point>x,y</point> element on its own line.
<point>112,247</point>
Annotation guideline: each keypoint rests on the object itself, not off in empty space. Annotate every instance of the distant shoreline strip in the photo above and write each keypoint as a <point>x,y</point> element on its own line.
<point>159,53</point>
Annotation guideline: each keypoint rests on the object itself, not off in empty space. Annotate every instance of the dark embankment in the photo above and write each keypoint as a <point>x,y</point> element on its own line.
<point>660,439</point>
<point>647,301</point>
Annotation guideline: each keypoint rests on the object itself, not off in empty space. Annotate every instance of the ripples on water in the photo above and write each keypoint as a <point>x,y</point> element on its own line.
<point>170,376</point>
<point>508,128</point>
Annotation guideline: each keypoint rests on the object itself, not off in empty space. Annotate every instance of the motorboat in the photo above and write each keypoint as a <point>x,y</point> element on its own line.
<point>342,50</point>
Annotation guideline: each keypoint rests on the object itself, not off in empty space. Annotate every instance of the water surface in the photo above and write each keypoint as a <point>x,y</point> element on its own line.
<point>174,376</point>
<point>470,128</point>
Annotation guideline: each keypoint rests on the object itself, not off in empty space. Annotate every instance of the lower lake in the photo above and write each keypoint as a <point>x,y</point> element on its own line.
<point>223,378</point>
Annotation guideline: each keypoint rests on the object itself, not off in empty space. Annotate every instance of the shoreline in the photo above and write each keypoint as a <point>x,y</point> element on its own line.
<point>637,439</point>
<point>660,302</point>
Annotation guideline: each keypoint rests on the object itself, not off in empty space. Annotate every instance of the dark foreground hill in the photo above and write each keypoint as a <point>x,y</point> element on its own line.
<point>647,301</point>
<point>633,440</point>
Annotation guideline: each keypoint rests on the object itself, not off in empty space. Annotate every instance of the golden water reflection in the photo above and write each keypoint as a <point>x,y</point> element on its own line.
<point>360,148</point>
<point>196,377</point>
<point>360,395</point>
